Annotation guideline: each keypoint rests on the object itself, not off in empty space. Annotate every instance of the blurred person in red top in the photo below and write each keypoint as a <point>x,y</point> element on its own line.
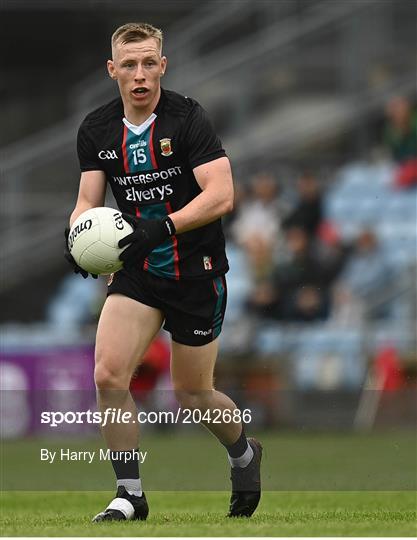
<point>153,366</point>
<point>401,138</point>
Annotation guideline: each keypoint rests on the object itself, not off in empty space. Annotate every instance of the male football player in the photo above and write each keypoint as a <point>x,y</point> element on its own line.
<point>172,180</point>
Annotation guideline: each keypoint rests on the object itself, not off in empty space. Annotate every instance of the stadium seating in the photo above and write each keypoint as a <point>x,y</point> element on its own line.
<point>363,196</point>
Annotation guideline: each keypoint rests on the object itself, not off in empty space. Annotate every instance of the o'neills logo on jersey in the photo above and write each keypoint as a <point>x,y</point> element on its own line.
<point>166,149</point>
<point>84,226</point>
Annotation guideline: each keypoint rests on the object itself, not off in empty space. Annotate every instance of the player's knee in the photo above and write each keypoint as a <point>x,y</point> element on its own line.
<point>200,399</point>
<point>108,378</point>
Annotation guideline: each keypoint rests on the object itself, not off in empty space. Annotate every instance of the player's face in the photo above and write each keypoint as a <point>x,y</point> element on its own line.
<point>138,67</point>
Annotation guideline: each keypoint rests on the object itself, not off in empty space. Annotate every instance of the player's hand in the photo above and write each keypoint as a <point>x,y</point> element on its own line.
<point>146,236</point>
<point>77,269</point>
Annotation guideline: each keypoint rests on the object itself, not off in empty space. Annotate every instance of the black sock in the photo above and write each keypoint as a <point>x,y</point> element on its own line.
<point>238,448</point>
<point>125,463</point>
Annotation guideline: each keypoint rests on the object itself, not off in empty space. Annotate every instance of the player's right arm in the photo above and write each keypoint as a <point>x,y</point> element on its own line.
<point>91,193</point>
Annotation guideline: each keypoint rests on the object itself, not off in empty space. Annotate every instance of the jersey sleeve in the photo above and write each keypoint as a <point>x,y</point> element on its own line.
<point>201,142</point>
<point>87,153</point>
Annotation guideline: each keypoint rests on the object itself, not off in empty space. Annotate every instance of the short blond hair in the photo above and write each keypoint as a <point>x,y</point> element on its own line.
<point>136,32</point>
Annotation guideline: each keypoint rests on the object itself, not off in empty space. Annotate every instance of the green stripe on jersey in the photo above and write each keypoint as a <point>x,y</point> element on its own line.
<point>161,260</point>
<point>138,150</point>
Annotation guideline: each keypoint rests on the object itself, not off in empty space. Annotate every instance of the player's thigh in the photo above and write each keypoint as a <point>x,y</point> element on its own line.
<point>125,331</point>
<point>192,367</point>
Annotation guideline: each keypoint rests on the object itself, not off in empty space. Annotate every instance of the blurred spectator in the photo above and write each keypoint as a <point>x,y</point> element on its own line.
<point>347,310</point>
<point>266,302</point>
<point>298,288</point>
<point>240,197</point>
<point>258,215</point>
<point>310,304</point>
<point>367,271</point>
<point>387,369</point>
<point>330,250</point>
<point>153,366</point>
<point>401,129</point>
<point>257,227</point>
<point>239,282</point>
<point>308,210</point>
<point>401,139</point>
<point>77,301</point>
<point>303,269</point>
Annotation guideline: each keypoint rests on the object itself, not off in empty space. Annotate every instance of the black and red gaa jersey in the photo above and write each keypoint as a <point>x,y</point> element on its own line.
<point>150,171</point>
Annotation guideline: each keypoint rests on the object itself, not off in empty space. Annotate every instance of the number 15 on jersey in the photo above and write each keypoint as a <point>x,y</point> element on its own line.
<point>139,156</point>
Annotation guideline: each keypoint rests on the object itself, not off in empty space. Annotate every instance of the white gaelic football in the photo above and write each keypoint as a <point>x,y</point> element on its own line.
<point>94,237</point>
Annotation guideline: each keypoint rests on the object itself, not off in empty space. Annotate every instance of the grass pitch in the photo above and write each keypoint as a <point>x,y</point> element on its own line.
<point>316,484</point>
<point>203,514</point>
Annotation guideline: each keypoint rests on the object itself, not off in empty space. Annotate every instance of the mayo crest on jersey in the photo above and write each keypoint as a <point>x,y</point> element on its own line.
<point>150,172</point>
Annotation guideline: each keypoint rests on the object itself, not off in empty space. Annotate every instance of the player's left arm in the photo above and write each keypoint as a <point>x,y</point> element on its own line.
<point>215,200</point>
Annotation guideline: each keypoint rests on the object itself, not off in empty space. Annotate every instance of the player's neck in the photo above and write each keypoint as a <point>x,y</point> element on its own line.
<point>136,115</point>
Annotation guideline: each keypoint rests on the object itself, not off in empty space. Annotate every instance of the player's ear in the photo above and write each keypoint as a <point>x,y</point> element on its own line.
<point>111,69</point>
<point>164,62</point>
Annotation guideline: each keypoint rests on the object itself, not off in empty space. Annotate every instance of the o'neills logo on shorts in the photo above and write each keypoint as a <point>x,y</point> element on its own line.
<point>203,332</point>
<point>84,226</point>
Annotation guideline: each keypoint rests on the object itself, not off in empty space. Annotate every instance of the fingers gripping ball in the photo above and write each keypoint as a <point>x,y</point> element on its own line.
<point>94,237</point>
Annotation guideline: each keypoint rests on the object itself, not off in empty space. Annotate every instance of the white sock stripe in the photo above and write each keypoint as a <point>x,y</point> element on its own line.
<point>243,460</point>
<point>124,506</point>
<point>132,485</point>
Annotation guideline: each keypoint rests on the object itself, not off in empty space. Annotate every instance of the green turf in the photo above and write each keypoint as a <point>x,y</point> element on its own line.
<point>317,484</point>
<point>291,462</point>
<point>202,514</point>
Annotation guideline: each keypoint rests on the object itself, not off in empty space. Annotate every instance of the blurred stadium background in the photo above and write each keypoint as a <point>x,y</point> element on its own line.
<point>315,102</point>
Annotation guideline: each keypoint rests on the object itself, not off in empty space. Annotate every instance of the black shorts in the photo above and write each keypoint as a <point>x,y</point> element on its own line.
<point>193,309</point>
